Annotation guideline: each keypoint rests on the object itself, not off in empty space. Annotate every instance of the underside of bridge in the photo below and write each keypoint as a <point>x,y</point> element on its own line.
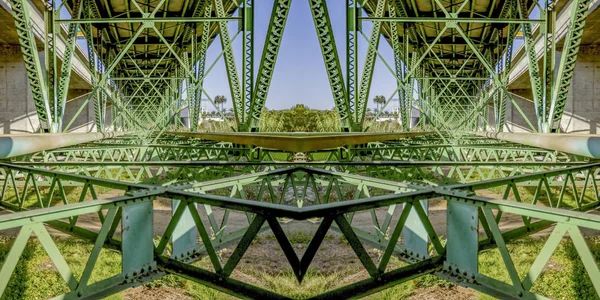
<point>452,62</point>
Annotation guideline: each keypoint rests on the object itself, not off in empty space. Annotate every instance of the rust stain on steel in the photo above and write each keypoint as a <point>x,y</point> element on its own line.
<point>300,142</point>
<point>579,144</point>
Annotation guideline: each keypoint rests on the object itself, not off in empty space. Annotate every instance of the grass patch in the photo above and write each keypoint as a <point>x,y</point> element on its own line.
<point>564,276</point>
<point>36,278</point>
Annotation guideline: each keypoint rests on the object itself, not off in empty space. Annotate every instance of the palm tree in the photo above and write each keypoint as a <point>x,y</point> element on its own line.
<point>220,100</point>
<point>380,99</point>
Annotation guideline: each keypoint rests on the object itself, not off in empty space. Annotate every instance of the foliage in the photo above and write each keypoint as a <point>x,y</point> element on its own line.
<point>214,126</point>
<point>220,100</point>
<point>299,119</point>
<point>379,100</point>
<point>385,126</point>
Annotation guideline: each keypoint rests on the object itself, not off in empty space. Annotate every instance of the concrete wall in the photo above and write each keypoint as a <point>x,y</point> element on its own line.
<point>17,109</point>
<point>582,110</point>
<point>85,121</point>
<point>514,120</point>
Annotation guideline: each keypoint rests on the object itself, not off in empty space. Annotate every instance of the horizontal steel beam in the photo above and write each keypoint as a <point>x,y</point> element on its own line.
<point>300,142</point>
<point>152,20</point>
<point>20,144</point>
<point>579,144</point>
<point>445,20</point>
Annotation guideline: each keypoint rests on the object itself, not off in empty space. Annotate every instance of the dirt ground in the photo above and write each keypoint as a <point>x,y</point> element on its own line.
<point>437,293</point>
<point>160,293</point>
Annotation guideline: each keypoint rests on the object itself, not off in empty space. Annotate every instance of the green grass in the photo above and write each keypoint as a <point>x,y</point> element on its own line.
<point>564,277</point>
<point>35,276</point>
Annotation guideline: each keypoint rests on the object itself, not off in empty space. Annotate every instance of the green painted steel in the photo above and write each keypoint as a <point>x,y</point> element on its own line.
<point>23,24</point>
<point>462,244</point>
<point>452,64</point>
<point>232,72</point>
<point>326,39</point>
<point>566,70</point>
<point>248,61</point>
<point>367,77</point>
<point>464,207</point>
<point>281,9</point>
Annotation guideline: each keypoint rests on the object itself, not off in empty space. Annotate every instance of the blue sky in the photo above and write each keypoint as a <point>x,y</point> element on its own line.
<point>300,75</point>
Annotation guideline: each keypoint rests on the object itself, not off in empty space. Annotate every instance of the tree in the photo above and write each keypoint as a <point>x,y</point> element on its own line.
<point>379,99</point>
<point>220,100</point>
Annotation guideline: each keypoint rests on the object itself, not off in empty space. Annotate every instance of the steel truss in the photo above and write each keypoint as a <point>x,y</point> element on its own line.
<point>450,83</point>
<point>148,62</point>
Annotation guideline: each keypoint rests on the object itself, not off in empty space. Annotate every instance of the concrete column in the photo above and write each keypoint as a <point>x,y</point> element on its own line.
<point>491,119</point>
<point>17,109</point>
<point>582,110</point>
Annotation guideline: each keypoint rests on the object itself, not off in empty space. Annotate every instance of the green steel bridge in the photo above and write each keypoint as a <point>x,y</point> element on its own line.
<point>452,62</point>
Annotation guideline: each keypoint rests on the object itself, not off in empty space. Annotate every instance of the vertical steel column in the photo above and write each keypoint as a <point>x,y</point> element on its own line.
<point>548,63</point>
<point>579,13</point>
<point>20,10</point>
<point>322,22</point>
<point>367,77</point>
<point>353,25</point>
<point>62,89</point>
<point>279,14</point>
<point>248,64</point>
<point>201,55</point>
<point>232,73</point>
<point>51,63</point>
<point>534,70</point>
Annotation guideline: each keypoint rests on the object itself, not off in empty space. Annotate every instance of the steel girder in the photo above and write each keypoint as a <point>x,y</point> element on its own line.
<point>145,95</point>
